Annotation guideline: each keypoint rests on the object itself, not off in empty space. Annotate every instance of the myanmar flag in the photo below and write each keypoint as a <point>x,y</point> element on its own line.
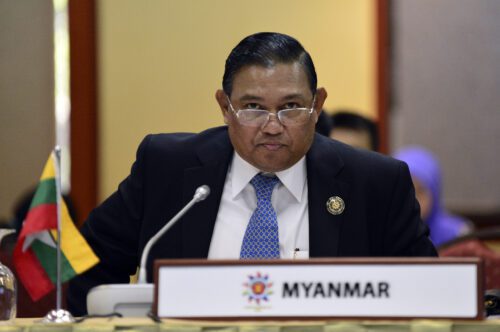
<point>35,252</point>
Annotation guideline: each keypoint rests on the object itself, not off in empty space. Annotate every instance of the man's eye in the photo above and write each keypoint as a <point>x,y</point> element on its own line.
<point>291,105</point>
<point>253,106</point>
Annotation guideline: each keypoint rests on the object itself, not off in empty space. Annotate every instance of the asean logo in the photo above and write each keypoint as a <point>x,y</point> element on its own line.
<point>258,288</point>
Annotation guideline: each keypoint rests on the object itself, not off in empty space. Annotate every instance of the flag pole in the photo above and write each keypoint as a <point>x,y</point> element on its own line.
<point>57,152</point>
<point>58,315</point>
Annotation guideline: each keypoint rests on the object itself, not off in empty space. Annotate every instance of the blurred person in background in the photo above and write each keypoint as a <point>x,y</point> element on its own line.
<point>426,176</point>
<point>355,130</point>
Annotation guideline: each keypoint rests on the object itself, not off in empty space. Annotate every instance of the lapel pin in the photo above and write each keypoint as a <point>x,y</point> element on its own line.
<point>335,205</point>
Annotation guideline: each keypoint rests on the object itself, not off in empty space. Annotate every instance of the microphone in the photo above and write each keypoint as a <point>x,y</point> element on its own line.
<point>200,194</point>
<point>135,300</point>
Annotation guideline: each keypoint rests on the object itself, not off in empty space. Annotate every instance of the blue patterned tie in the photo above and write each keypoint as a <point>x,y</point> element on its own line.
<point>261,238</point>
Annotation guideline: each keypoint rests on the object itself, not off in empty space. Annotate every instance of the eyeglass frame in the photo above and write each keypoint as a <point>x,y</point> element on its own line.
<point>277,114</point>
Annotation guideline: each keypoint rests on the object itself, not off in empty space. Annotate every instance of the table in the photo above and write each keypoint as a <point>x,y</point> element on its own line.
<point>147,325</point>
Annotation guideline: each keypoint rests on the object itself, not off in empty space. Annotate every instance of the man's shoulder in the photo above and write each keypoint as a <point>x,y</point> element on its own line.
<point>184,149</point>
<point>183,142</point>
<point>348,152</point>
<point>355,159</point>
<point>164,140</point>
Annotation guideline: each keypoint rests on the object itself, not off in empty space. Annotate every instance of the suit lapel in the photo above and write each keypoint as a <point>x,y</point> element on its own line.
<point>198,226</point>
<point>323,166</point>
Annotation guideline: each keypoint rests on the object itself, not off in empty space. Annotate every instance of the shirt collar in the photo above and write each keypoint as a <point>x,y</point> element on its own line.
<point>292,178</point>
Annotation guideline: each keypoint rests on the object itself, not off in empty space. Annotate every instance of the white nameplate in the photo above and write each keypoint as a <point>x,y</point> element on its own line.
<point>361,288</point>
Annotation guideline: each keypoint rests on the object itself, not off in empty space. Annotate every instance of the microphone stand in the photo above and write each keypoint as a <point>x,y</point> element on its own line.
<point>134,299</point>
<point>200,194</point>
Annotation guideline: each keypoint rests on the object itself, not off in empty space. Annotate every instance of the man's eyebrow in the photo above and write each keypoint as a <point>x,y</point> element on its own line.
<point>250,97</point>
<point>294,96</point>
<point>257,98</point>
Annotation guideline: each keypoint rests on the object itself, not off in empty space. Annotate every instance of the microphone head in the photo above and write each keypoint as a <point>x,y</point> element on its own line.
<point>201,193</point>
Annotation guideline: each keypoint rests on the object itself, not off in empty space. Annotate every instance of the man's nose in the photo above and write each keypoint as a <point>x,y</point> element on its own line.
<point>272,125</point>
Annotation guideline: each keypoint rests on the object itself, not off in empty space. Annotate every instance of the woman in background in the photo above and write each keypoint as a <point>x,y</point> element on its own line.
<point>426,175</point>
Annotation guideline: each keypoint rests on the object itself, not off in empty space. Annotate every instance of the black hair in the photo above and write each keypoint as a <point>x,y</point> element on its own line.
<point>324,124</point>
<point>353,121</point>
<point>267,49</point>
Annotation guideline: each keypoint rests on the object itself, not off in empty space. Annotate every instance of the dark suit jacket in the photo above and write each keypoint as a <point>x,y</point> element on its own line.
<point>381,216</point>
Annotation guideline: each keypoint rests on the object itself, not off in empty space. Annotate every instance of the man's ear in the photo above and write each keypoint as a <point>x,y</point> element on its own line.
<point>319,101</point>
<point>223,102</point>
<point>321,95</point>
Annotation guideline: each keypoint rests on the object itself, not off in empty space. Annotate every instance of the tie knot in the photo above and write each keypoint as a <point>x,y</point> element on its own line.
<point>264,186</point>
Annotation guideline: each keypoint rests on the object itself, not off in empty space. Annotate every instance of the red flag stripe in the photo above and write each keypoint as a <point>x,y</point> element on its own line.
<point>40,218</point>
<point>31,273</point>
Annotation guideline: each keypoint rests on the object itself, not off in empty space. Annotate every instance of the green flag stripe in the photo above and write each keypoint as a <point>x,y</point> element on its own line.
<point>47,257</point>
<point>45,193</point>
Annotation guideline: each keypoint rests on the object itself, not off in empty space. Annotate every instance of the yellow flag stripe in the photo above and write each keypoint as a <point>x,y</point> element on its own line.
<point>73,245</point>
<point>49,171</point>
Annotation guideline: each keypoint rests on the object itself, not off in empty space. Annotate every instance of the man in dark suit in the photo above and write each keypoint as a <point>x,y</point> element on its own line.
<point>326,199</point>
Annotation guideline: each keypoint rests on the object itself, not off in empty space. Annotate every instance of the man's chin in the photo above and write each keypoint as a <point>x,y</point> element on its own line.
<point>272,165</point>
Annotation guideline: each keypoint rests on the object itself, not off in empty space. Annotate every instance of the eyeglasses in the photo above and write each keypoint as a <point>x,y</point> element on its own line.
<point>287,117</point>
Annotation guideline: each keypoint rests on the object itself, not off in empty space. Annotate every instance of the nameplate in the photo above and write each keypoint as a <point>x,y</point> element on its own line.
<point>319,288</point>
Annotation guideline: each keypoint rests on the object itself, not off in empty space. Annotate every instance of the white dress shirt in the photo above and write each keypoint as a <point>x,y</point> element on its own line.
<point>238,202</point>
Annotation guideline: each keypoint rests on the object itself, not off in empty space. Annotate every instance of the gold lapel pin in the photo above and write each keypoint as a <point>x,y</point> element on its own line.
<point>335,205</point>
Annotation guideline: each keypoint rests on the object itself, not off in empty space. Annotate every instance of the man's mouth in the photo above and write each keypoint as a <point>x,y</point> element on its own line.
<point>272,146</point>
